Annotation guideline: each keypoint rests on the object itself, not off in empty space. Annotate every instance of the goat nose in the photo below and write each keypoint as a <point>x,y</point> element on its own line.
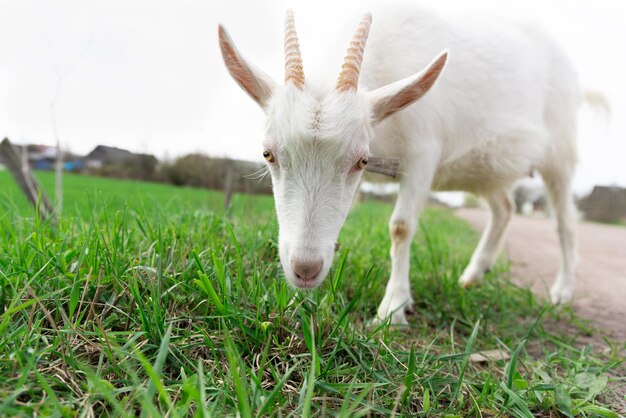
<point>306,270</point>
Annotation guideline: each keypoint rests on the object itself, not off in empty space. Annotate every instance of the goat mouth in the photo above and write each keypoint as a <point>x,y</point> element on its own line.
<point>306,284</point>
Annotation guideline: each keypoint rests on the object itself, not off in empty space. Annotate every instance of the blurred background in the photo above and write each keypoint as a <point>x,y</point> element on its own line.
<point>138,89</point>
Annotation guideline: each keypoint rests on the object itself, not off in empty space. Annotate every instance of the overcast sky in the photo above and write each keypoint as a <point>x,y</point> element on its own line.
<point>148,76</point>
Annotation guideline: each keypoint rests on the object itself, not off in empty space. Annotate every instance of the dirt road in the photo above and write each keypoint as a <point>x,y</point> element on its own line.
<point>533,248</point>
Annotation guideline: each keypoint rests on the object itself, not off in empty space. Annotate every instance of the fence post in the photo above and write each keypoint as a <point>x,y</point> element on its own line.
<point>58,176</point>
<point>24,178</point>
<point>229,183</point>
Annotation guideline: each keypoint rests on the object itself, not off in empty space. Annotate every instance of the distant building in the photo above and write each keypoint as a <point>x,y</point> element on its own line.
<point>43,157</point>
<point>103,155</point>
<point>117,162</point>
<point>605,204</point>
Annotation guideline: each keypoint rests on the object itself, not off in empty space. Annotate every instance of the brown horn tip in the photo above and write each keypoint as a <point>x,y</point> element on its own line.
<point>351,68</point>
<point>293,59</point>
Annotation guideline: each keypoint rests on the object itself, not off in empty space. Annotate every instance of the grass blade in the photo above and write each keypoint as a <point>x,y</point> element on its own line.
<point>409,377</point>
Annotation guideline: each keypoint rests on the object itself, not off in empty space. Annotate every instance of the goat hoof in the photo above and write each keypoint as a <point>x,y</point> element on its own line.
<point>472,282</point>
<point>396,319</point>
<point>471,277</point>
<point>394,307</point>
<point>560,295</point>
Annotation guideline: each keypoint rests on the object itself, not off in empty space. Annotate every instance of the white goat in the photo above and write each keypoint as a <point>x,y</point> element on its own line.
<point>505,106</point>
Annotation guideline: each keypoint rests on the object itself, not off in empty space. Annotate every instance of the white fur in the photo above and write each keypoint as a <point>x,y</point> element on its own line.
<point>504,105</point>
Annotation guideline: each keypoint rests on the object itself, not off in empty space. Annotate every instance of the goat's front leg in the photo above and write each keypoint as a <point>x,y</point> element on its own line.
<point>412,197</point>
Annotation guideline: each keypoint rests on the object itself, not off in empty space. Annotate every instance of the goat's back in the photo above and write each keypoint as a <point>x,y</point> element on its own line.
<point>506,91</point>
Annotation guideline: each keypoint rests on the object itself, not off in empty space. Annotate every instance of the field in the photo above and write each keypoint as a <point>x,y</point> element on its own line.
<point>152,300</point>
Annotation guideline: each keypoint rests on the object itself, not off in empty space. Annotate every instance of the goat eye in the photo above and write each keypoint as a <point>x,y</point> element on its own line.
<point>360,165</point>
<point>268,156</point>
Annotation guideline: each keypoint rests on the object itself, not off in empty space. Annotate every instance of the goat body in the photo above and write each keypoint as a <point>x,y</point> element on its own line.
<point>504,105</point>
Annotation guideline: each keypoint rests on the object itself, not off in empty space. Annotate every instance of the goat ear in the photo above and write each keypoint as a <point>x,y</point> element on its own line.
<point>393,97</point>
<point>252,80</point>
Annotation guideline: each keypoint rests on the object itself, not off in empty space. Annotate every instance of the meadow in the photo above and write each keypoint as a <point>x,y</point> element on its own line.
<point>151,300</point>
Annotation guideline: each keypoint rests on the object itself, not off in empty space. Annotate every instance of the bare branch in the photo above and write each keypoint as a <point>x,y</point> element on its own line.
<point>386,166</point>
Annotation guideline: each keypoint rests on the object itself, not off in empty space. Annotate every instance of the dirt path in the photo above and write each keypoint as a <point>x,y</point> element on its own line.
<point>533,248</point>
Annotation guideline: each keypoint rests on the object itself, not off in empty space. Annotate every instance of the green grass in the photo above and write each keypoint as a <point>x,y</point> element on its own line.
<point>152,300</point>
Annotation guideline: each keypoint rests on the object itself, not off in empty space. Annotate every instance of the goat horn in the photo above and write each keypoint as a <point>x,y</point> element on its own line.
<point>349,76</point>
<point>293,59</point>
